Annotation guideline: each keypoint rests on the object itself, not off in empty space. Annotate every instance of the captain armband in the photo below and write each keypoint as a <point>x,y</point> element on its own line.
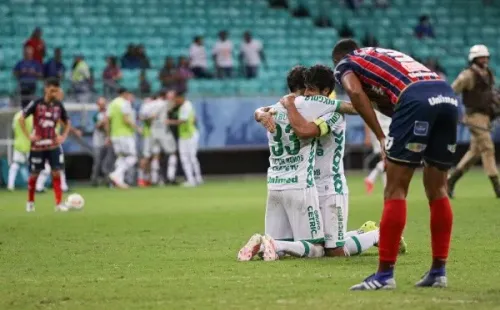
<point>323,127</point>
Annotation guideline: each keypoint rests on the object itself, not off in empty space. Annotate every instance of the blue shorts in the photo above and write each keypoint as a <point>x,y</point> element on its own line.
<point>54,157</point>
<point>424,126</point>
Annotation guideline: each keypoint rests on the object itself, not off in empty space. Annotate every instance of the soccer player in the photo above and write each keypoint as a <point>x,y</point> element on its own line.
<point>161,139</point>
<point>423,129</point>
<point>292,209</point>
<point>143,178</point>
<point>21,148</point>
<point>122,128</point>
<point>45,142</point>
<point>188,140</point>
<point>384,122</point>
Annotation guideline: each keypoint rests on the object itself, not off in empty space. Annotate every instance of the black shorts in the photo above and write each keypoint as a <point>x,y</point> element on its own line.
<point>54,157</point>
<point>424,126</point>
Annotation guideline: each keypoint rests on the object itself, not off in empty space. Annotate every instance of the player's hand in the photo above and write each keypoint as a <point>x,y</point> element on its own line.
<point>139,130</point>
<point>382,148</point>
<point>267,120</point>
<point>78,133</point>
<point>288,100</point>
<point>34,138</point>
<point>60,140</point>
<point>107,141</point>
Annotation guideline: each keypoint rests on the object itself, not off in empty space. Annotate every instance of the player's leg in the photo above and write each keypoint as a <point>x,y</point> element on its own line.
<point>42,178</point>
<point>145,161</point>
<point>117,176</point>
<point>487,151</point>
<point>194,159</point>
<point>18,159</point>
<point>438,159</point>
<point>184,153</point>
<point>169,147</point>
<point>378,169</point>
<point>36,164</point>
<point>62,173</point>
<point>155,168</point>
<point>55,159</point>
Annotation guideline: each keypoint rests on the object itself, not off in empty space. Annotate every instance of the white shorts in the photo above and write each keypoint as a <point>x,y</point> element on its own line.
<point>189,146</point>
<point>154,145</point>
<point>294,215</point>
<point>334,210</point>
<point>20,157</point>
<point>124,146</point>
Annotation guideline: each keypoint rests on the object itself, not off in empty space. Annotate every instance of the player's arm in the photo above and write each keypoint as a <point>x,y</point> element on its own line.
<point>264,115</point>
<point>361,103</point>
<point>184,112</point>
<point>27,112</point>
<point>347,108</point>
<point>464,81</point>
<point>127,119</point>
<point>67,126</point>
<point>301,127</point>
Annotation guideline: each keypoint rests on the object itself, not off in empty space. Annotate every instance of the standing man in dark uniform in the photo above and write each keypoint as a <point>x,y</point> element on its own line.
<point>45,142</point>
<point>476,85</point>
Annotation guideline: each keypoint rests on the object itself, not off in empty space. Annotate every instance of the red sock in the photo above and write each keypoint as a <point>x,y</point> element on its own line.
<point>441,224</point>
<point>31,188</point>
<point>56,184</point>
<point>391,229</point>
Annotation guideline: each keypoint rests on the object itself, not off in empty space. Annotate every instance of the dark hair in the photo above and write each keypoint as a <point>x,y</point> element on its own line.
<point>423,18</point>
<point>180,93</point>
<point>295,78</point>
<point>122,90</point>
<point>320,76</point>
<point>52,82</point>
<point>197,38</point>
<point>344,46</point>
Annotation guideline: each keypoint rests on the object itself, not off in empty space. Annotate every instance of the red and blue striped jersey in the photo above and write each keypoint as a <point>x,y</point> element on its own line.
<point>383,70</point>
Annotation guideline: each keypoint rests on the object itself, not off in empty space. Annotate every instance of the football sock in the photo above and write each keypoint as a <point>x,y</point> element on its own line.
<point>441,226</point>
<point>299,248</point>
<point>379,168</point>
<point>31,188</point>
<point>64,184</point>
<point>140,174</point>
<point>172,167</point>
<point>392,225</point>
<point>360,243</point>
<point>196,168</point>
<point>155,169</point>
<point>187,167</point>
<point>42,179</point>
<point>351,233</point>
<point>13,169</point>
<point>120,168</point>
<point>56,184</point>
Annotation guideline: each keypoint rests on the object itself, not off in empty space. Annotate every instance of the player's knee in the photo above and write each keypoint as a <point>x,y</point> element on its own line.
<point>395,191</point>
<point>436,193</point>
<point>56,173</point>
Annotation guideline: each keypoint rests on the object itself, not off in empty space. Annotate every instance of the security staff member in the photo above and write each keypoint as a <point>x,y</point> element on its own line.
<point>476,86</point>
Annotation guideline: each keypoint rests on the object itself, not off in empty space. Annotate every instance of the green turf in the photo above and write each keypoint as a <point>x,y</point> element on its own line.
<point>174,248</point>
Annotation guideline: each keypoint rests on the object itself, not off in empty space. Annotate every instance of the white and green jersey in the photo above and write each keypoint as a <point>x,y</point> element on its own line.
<point>187,113</point>
<point>292,160</point>
<point>117,109</point>
<point>329,168</point>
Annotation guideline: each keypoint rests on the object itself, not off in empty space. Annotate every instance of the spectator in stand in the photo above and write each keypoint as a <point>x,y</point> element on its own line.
<point>424,28</point>
<point>198,59</point>
<point>301,10</point>
<point>434,65</point>
<point>323,21</point>
<point>27,72</point>
<point>54,68</point>
<point>110,77</point>
<point>37,44</point>
<point>346,31</point>
<point>353,4</point>
<point>369,40</point>
<point>184,73</point>
<point>278,4</point>
<point>144,85</point>
<point>81,79</point>
<point>130,59</point>
<point>223,56</point>
<point>143,57</point>
<point>251,55</point>
<point>381,4</point>
<point>168,74</point>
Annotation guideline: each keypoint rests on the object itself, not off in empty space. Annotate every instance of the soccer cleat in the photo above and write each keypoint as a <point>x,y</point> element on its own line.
<point>433,280</point>
<point>369,186</point>
<point>269,253</point>
<point>375,282</point>
<point>117,182</point>
<point>61,208</point>
<point>142,183</point>
<point>402,246</point>
<point>367,227</point>
<point>188,184</point>
<point>40,191</point>
<point>10,189</point>
<point>30,207</point>
<point>250,249</point>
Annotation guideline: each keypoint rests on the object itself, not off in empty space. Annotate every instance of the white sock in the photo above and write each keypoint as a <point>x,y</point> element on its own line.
<point>140,174</point>
<point>188,169</point>
<point>196,168</point>
<point>155,171</point>
<point>13,169</point>
<point>172,167</point>
<point>300,248</point>
<point>360,243</point>
<point>42,179</point>
<point>64,183</point>
<point>351,233</point>
<point>379,168</point>
<point>119,164</point>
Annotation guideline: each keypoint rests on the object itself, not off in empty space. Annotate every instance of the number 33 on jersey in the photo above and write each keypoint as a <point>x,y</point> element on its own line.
<point>291,163</point>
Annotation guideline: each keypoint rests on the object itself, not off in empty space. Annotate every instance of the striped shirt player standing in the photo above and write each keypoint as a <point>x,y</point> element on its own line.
<point>423,129</point>
<point>45,142</point>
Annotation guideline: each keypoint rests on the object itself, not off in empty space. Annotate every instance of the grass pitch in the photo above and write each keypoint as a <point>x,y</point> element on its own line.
<point>175,248</point>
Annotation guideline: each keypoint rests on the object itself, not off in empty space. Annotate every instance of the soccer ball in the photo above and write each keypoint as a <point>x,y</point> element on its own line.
<point>75,201</point>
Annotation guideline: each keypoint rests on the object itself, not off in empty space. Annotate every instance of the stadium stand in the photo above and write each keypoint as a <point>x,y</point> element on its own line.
<point>99,28</point>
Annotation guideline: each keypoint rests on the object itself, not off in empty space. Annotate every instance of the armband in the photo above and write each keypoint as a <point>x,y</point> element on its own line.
<point>323,127</point>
